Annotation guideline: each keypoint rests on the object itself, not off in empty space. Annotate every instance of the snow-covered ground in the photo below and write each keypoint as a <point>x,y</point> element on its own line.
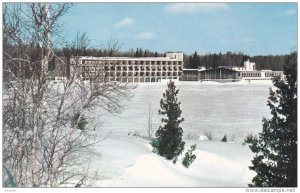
<point>129,162</point>
<point>234,109</point>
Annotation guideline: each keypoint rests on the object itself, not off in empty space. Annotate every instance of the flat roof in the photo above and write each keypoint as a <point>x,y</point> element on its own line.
<point>129,58</point>
<point>224,68</point>
<point>188,69</point>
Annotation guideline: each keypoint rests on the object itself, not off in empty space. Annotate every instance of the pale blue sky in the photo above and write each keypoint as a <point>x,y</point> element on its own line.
<point>251,28</point>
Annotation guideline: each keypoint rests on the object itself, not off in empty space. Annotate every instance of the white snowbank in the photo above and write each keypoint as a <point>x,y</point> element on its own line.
<point>128,162</point>
<point>203,138</point>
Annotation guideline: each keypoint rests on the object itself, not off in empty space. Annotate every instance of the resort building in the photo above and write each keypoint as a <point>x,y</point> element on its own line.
<point>230,73</point>
<point>128,69</point>
<point>156,69</point>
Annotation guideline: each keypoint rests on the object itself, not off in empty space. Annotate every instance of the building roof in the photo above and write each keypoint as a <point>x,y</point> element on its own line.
<point>220,67</point>
<point>129,58</point>
<point>187,69</point>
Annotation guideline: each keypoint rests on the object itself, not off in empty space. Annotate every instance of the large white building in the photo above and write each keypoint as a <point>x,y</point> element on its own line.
<point>156,69</point>
<point>248,66</point>
<point>129,69</point>
<point>249,72</point>
<point>230,73</point>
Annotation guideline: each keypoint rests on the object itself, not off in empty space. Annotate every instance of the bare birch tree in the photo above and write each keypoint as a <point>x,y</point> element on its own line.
<point>150,122</point>
<point>47,126</point>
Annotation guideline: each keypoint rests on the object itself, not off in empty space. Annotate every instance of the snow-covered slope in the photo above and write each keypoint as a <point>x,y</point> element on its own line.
<point>128,161</point>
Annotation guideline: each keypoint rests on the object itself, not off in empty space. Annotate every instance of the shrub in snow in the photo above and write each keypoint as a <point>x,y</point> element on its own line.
<point>189,157</point>
<point>155,144</point>
<point>79,121</point>
<point>7,178</point>
<point>224,139</point>
<point>170,134</point>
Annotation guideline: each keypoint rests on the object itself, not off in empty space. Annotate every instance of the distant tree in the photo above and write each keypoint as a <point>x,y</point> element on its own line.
<point>79,121</point>
<point>275,161</point>
<point>155,54</point>
<point>141,53</point>
<point>150,124</point>
<point>194,60</point>
<point>111,53</point>
<point>80,44</point>
<point>189,62</point>
<point>224,139</point>
<point>170,134</point>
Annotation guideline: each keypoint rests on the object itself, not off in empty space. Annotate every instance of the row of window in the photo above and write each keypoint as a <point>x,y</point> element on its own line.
<point>129,62</point>
<point>125,74</point>
<point>250,74</point>
<point>130,80</point>
<point>130,68</point>
<point>273,74</point>
<point>259,74</point>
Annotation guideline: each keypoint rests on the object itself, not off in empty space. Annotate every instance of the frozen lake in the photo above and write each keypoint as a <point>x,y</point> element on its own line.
<point>234,109</point>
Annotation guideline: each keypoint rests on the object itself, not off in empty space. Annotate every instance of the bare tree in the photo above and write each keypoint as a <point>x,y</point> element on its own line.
<point>150,123</point>
<point>47,126</point>
<point>80,44</point>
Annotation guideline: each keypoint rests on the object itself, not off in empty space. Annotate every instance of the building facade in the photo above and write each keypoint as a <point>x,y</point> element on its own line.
<point>129,70</point>
<point>156,69</point>
<point>230,73</point>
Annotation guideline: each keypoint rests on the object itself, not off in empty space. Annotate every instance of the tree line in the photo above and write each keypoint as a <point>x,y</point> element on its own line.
<point>193,61</point>
<point>213,60</point>
<point>81,46</point>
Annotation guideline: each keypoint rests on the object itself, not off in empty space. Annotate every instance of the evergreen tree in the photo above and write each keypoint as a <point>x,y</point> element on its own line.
<point>170,134</point>
<point>275,149</point>
<point>137,53</point>
<point>194,59</point>
<point>224,139</point>
<point>189,157</point>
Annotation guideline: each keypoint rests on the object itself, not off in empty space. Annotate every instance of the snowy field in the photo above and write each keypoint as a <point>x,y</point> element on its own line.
<point>215,109</point>
<point>234,109</point>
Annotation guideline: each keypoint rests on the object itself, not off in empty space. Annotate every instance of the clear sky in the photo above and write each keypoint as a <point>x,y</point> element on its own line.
<point>251,28</point>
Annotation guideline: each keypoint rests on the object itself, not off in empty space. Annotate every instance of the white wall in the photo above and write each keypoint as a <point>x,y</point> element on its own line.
<point>249,66</point>
<point>175,55</point>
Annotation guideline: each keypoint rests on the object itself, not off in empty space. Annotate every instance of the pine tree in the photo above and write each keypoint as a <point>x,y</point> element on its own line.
<point>195,60</point>
<point>136,53</point>
<point>170,134</point>
<point>224,139</point>
<point>275,149</point>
